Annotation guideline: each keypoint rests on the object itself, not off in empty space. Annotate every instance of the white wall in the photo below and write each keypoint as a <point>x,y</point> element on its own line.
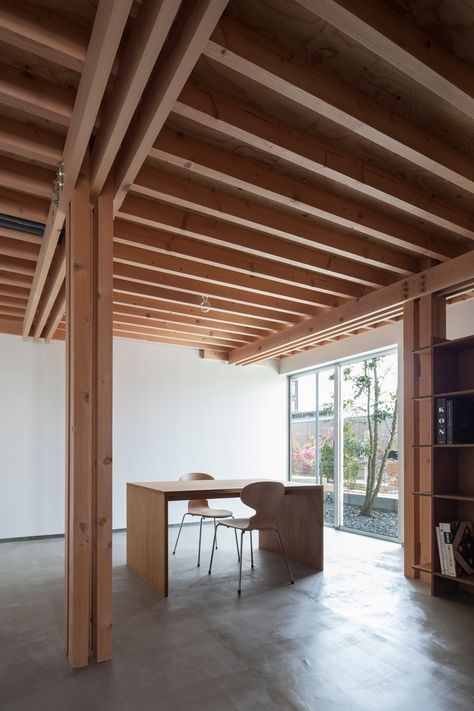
<point>173,412</point>
<point>32,428</point>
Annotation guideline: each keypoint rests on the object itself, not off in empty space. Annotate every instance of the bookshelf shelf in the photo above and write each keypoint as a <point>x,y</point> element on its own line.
<point>427,568</point>
<point>465,579</point>
<point>450,393</point>
<point>443,482</point>
<point>445,446</point>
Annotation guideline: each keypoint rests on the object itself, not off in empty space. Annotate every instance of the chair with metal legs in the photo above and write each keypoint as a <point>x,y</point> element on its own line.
<point>265,498</point>
<point>201,508</point>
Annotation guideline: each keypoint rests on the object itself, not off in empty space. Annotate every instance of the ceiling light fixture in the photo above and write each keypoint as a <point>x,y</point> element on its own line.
<point>205,305</point>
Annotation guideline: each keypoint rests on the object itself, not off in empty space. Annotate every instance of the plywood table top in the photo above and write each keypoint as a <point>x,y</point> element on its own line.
<point>210,487</point>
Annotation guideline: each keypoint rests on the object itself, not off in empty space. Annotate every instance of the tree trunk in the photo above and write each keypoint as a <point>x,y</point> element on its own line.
<point>371,495</point>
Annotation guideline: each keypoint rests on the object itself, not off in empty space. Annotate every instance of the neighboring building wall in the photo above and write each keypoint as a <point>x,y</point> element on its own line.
<point>173,413</point>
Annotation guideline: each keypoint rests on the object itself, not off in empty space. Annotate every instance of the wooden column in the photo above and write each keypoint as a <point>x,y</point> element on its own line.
<point>79,335</point>
<point>89,420</point>
<point>102,424</point>
<point>424,324</point>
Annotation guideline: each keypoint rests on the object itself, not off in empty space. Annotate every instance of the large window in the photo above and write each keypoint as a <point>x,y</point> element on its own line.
<point>344,435</point>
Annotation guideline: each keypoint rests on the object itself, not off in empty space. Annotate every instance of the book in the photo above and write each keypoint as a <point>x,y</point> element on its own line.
<point>457,539</point>
<point>441,420</point>
<point>442,563</point>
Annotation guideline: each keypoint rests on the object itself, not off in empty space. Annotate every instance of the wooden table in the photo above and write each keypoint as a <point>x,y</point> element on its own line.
<point>301,522</point>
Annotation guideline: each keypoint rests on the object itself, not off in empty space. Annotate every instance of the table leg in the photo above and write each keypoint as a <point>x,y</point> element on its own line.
<point>147,536</point>
<point>301,528</point>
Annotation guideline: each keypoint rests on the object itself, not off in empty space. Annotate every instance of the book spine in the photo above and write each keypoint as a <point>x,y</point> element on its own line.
<point>440,550</point>
<point>449,421</point>
<point>441,431</point>
<point>445,529</point>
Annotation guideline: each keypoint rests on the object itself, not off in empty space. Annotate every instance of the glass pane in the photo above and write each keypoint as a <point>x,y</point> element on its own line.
<point>370,446</point>
<point>325,438</point>
<point>303,428</point>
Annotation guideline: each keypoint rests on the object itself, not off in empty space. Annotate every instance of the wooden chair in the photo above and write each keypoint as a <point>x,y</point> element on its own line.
<point>201,508</point>
<point>265,498</point>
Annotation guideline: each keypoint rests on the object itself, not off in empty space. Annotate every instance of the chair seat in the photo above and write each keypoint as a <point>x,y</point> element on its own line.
<point>208,512</point>
<point>243,525</point>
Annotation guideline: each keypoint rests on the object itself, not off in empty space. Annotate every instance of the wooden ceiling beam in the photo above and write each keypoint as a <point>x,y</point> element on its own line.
<point>229,170</point>
<point>17,266</point>
<point>12,302</point>
<point>14,292</point>
<point>123,305</point>
<point>173,327</point>
<point>196,343</point>
<point>283,308</point>
<point>25,178</point>
<point>13,311</point>
<point>19,236</point>
<point>220,308</point>
<point>25,206</point>
<point>165,243</point>
<point>189,195</point>
<point>35,30</point>
<point>12,327</point>
<point>30,142</point>
<point>21,250</point>
<point>109,24</point>
<point>251,128</point>
<point>179,266</point>
<point>56,315</point>
<point>54,283</point>
<point>207,229</point>
<point>14,279</point>
<point>149,32</point>
<point>388,35</point>
<point>443,276</point>
<point>35,96</point>
<point>336,333</point>
<point>245,52</point>
<point>166,82</point>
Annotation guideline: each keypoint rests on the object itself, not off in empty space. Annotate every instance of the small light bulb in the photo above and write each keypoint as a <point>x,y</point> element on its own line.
<point>205,306</point>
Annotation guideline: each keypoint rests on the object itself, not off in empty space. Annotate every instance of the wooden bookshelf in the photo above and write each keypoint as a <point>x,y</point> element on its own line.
<point>442,475</point>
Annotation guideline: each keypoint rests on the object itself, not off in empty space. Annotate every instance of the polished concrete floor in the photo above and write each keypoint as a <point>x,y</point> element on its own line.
<point>357,637</point>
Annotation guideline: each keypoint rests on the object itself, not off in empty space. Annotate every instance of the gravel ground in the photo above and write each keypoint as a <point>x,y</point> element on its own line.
<point>383,523</point>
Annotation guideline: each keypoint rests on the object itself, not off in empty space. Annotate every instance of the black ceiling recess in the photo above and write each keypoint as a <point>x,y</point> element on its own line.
<point>18,223</point>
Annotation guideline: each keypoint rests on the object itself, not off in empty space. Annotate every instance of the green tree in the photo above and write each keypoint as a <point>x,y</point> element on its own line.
<point>380,408</point>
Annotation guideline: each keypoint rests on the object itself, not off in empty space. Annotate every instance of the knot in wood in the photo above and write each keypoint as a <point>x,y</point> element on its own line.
<point>107,460</point>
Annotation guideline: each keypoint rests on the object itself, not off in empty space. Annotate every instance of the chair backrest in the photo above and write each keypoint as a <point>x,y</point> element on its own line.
<point>193,476</point>
<point>265,498</point>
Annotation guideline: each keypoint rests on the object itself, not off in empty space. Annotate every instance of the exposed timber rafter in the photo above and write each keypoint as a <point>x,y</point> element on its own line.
<point>195,197</point>
<point>107,31</point>
<point>384,32</point>
<point>245,52</point>
<point>229,170</point>
<point>148,36</point>
<point>166,83</point>
<point>441,277</point>
<point>250,127</point>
